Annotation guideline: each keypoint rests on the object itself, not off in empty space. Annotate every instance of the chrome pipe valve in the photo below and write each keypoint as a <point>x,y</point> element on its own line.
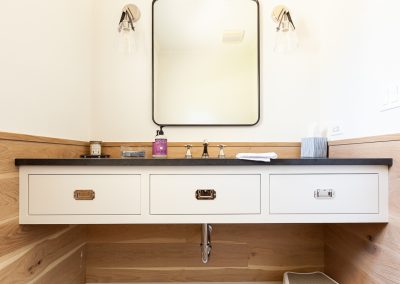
<point>205,245</point>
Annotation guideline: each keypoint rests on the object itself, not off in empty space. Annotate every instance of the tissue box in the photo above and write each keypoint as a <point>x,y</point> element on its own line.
<point>314,147</point>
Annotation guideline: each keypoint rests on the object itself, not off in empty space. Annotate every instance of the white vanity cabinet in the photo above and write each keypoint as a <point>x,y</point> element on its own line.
<point>202,192</point>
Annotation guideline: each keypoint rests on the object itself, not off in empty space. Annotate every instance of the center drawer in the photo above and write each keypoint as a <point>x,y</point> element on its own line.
<point>84,194</point>
<point>205,194</point>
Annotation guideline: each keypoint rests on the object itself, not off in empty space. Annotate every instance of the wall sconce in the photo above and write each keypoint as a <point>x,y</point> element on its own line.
<point>126,29</point>
<point>286,36</point>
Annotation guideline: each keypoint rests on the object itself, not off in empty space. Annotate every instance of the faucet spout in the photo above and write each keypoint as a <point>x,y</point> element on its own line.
<point>205,150</point>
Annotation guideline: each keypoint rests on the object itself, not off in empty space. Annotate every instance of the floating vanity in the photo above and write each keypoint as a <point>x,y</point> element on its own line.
<point>93,191</point>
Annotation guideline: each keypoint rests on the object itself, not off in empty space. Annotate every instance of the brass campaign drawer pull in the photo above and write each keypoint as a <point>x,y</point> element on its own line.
<point>84,194</point>
<point>206,194</point>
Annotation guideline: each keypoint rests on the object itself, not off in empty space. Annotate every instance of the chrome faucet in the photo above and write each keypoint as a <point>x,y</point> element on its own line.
<point>205,150</point>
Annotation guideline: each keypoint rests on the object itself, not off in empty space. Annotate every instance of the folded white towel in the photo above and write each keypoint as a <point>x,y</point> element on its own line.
<point>262,157</point>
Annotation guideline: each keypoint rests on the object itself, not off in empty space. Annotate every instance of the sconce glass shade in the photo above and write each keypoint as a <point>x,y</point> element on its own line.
<point>286,39</point>
<point>126,41</point>
<point>126,29</point>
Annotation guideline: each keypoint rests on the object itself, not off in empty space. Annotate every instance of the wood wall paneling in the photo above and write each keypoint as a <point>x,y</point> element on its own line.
<point>177,149</point>
<point>34,253</point>
<point>32,261</point>
<point>367,253</point>
<point>66,270</point>
<point>157,253</point>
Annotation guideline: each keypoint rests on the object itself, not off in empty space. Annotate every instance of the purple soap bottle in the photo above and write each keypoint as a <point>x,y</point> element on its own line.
<point>160,145</point>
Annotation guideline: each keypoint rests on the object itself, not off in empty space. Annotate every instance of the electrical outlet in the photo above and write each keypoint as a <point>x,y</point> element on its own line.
<point>397,93</point>
<point>335,130</point>
<point>391,98</point>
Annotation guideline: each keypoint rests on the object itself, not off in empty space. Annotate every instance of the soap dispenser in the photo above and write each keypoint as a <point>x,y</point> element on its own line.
<point>160,144</point>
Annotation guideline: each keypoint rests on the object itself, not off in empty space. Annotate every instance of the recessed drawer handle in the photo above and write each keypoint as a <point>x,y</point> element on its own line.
<point>206,194</point>
<point>84,194</point>
<point>324,194</point>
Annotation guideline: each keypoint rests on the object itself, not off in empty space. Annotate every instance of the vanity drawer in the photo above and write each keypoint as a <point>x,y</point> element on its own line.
<point>84,194</point>
<point>324,194</point>
<point>222,194</point>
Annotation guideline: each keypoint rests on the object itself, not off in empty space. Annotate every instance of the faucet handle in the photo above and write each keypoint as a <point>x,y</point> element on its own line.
<point>221,154</point>
<point>188,154</point>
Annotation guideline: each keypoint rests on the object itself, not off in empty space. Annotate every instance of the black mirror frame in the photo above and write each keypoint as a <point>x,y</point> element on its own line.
<point>258,70</point>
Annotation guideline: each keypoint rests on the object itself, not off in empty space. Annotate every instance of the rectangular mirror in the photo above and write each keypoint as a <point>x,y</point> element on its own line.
<point>206,62</point>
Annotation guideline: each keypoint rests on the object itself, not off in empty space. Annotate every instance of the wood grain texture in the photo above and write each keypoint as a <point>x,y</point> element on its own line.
<point>177,149</point>
<point>152,253</point>
<point>364,140</point>
<point>10,150</point>
<point>367,253</point>
<point>15,237</point>
<point>30,251</point>
<point>32,260</point>
<point>184,274</point>
<point>68,270</point>
<point>8,195</point>
<point>40,139</point>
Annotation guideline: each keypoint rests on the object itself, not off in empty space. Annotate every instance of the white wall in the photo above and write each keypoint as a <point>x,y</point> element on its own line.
<point>61,74</point>
<point>359,62</point>
<point>122,85</point>
<point>45,67</point>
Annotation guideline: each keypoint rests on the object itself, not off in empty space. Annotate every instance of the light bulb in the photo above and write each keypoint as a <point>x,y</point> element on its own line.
<point>286,41</point>
<point>126,41</point>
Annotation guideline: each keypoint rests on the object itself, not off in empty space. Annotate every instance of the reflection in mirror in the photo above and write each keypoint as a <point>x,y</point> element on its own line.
<point>206,62</point>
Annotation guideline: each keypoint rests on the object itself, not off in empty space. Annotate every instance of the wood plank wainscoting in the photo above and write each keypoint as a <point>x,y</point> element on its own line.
<point>41,253</point>
<point>159,253</point>
<point>367,253</point>
<point>177,149</point>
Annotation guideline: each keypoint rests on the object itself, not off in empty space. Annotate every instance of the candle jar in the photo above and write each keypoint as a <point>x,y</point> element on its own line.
<point>95,148</point>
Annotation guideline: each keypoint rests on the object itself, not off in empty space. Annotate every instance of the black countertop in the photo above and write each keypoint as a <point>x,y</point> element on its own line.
<point>198,162</point>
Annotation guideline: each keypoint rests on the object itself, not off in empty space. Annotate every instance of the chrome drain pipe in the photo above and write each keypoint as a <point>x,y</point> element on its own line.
<point>205,245</point>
